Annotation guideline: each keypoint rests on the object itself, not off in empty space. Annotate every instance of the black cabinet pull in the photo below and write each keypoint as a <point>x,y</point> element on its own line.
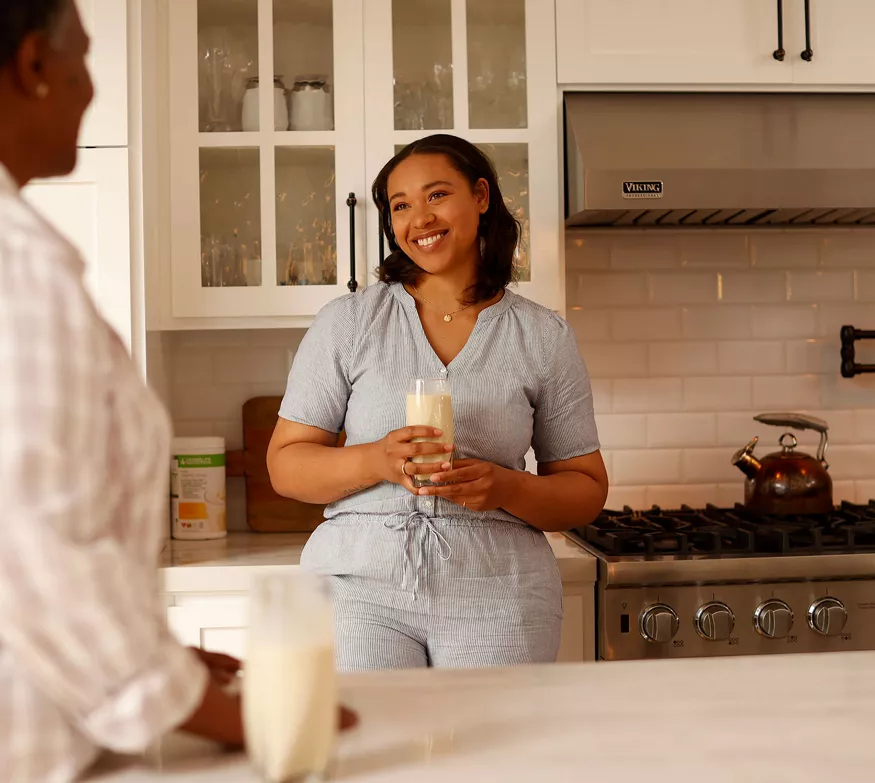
<point>779,53</point>
<point>352,285</point>
<point>381,242</point>
<point>808,54</point>
<point>849,335</point>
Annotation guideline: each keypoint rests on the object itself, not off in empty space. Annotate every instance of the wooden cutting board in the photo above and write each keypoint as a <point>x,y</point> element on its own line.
<point>267,512</point>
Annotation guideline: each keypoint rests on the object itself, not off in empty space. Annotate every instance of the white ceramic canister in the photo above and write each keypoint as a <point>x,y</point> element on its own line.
<point>250,114</point>
<point>311,106</point>
<point>197,488</point>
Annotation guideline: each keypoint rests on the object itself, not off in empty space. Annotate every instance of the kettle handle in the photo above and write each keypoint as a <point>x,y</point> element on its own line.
<point>800,421</point>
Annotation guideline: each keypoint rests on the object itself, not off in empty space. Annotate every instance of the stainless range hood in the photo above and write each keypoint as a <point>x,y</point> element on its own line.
<point>720,159</point>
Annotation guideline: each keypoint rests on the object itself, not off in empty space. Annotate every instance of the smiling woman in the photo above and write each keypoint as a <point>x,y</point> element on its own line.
<point>456,573</point>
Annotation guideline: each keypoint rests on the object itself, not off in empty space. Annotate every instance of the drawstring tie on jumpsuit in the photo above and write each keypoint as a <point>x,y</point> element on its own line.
<point>408,523</point>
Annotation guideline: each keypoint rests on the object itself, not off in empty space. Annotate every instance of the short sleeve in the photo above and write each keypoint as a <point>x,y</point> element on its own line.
<point>564,425</point>
<point>318,388</point>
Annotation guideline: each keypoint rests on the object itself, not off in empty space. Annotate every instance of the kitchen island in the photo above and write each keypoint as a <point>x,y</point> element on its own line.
<point>754,719</point>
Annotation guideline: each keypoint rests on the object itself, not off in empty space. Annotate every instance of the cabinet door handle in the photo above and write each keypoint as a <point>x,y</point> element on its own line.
<point>779,53</point>
<point>808,54</point>
<point>352,285</point>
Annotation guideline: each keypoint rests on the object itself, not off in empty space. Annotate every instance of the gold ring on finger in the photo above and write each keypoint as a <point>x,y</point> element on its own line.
<point>404,468</point>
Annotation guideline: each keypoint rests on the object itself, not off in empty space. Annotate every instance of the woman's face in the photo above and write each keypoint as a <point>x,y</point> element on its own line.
<point>436,213</point>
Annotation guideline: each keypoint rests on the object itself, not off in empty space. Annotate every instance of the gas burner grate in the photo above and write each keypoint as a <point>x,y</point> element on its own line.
<point>730,531</point>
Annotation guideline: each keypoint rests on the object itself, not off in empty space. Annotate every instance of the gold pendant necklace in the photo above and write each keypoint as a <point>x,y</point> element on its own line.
<point>448,317</point>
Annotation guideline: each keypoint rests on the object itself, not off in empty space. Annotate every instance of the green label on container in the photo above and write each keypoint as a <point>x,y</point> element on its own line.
<point>201,460</point>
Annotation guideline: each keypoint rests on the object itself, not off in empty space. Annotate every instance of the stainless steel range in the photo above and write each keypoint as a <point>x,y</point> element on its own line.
<point>701,582</point>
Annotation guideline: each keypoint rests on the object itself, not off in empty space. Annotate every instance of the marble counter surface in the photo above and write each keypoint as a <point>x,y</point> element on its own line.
<point>201,565</point>
<point>758,719</point>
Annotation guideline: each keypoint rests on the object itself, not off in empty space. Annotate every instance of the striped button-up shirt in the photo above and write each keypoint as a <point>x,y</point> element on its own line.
<point>86,660</point>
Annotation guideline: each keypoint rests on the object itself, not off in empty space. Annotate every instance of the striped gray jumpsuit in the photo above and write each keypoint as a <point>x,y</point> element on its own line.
<point>420,581</point>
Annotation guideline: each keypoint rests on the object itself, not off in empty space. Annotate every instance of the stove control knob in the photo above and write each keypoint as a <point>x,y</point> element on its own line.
<point>773,619</point>
<point>714,621</point>
<point>827,616</point>
<point>658,623</point>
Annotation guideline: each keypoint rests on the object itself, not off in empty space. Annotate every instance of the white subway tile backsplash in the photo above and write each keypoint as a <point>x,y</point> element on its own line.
<point>682,358</point>
<point>665,430</point>
<point>590,324</point>
<point>844,491</point>
<point>854,247</point>
<point>611,289</point>
<point>753,287</point>
<point>715,250</point>
<point>750,357</point>
<point>807,356</point>
<point>701,466</point>
<point>192,365</point>
<point>647,250</point>
<point>730,494</point>
<point>619,497</point>
<point>834,316</point>
<point>649,466</point>
<point>783,249</point>
<point>602,395</point>
<point>647,395</point>
<point>735,428</point>
<point>683,288</point>
<point>866,286</point>
<point>615,360</point>
<point>863,425</point>
<point>622,430</point>
<point>852,462</point>
<point>587,251</point>
<point>717,322</point>
<point>252,365</point>
<point>671,496</point>
<point>820,286</point>
<point>646,323</point>
<point>717,393</point>
<point>786,320</point>
<point>786,392</point>
<point>865,491</point>
<point>846,393</point>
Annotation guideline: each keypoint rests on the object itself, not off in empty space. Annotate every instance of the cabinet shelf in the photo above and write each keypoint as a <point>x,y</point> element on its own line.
<point>270,138</point>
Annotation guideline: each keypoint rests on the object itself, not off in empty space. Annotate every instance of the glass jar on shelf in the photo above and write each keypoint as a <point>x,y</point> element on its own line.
<point>251,102</point>
<point>310,105</point>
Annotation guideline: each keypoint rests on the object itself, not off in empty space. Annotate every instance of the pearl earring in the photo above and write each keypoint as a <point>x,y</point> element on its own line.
<point>42,91</point>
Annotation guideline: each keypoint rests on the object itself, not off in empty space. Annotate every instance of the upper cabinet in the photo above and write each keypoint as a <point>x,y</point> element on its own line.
<point>90,208</point>
<point>483,70</point>
<point>266,146</point>
<point>280,113</point>
<point>719,42</point>
<point>106,121</point>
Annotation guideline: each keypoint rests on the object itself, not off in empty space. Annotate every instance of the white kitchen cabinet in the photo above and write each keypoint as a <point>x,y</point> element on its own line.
<point>671,42</point>
<point>259,225</point>
<point>215,622</point>
<point>106,121</point>
<point>91,208</point>
<point>483,70</point>
<point>719,42</point>
<point>841,42</point>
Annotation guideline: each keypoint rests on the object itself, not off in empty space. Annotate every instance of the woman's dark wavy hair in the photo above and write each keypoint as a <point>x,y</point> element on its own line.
<point>499,231</point>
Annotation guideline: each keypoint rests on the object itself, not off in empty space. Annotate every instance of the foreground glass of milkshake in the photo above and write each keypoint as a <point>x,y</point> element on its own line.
<point>430,403</point>
<point>290,701</point>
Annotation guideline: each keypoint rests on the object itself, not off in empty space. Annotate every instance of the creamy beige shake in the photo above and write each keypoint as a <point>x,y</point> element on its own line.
<point>430,403</point>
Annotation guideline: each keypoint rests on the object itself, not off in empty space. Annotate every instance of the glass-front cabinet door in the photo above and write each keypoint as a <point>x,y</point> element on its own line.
<point>483,70</point>
<point>267,144</point>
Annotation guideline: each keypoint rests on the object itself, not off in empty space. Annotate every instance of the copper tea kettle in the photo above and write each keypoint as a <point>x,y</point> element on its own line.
<point>788,481</point>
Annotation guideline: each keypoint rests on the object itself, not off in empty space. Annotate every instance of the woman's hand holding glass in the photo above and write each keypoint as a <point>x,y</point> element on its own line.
<point>395,451</point>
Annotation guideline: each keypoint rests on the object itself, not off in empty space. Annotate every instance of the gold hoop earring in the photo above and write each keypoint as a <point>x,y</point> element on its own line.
<point>42,91</point>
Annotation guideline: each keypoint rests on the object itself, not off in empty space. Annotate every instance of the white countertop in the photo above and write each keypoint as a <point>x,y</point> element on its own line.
<point>197,565</point>
<point>757,719</point>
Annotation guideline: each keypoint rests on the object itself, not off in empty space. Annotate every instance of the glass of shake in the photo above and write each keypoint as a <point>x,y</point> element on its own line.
<point>290,701</point>
<point>430,403</point>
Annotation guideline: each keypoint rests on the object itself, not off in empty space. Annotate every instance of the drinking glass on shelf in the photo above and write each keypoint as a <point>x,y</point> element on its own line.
<point>290,704</point>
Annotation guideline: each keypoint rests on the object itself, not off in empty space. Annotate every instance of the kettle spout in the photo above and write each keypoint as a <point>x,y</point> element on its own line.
<point>745,461</point>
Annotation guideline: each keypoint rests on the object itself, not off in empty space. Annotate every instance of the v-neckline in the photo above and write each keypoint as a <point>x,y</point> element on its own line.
<point>486,314</point>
